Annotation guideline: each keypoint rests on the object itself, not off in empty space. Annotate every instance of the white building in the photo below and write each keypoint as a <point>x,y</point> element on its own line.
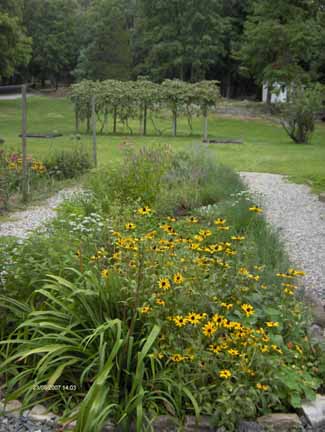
<point>279,93</point>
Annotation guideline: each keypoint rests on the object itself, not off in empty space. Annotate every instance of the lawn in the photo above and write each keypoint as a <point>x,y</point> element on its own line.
<point>267,148</point>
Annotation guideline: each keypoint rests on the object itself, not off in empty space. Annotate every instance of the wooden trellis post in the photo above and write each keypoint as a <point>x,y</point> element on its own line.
<point>24,144</point>
<point>93,112</point>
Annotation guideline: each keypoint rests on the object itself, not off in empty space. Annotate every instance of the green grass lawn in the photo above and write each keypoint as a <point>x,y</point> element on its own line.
<point>267,148</point>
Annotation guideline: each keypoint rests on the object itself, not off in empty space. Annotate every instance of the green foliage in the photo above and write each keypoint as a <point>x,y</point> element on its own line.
<point>68,164</point>
<point>299,113</point>
<point>53,26</point>
<point>280,40</point>
<point>105,52</point>
<point>15,46</point>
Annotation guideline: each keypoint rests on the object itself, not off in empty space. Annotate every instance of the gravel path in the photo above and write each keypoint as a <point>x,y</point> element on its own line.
<point>23,222</point>
<point>300,218</point>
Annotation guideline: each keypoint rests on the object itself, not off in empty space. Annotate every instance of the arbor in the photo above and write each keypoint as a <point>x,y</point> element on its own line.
<point>105,52</point>
<point>281,38</point>
<point>14,44</point>
<point>53,26</point>
<point>179,38</point>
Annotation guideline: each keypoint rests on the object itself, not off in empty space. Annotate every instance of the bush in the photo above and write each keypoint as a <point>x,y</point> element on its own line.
<point>68,164</point>
<point>299,113</point>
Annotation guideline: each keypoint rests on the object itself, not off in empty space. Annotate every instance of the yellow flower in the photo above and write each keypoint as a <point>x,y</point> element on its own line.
<point>233,352</point>
<point>238,238</point>
<point>248,309</point>
<point>220,221</point>
<point>227,306</point>
<point>172,219</point>
<point>178,279</point>
<point>117,256</point>
<point>144,211</point>
<point>276,349</point>
<point>226,374</point>
<point>130,226</point>
<point>223,228</point>
<point>193,220</point>
<point>209,329</point>
<point>255,209</point>
<point>145,309</point>
<point>218,320</point>
<point>272,324</point>
<point>262,387</point>
<point>164,283</point>
<point>193,318</point>
<point>105,273</point>
<point>215,348</point>
<point>264,348</point>
<point>177,358</point>
<point>294,272</point>
<point>205,233</point>
<point>160,302</point>
<point>179,321</point>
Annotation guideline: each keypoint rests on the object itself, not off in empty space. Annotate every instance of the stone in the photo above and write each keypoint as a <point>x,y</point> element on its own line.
<point>314,411</point>
<point>203,425</point>
<point>280,423</point>
<point>248,426</point>
<point>109,427</point>
<point>322,197</point>
<point>40,413</point>
<point>318,312</point>
<point>317,333</point>
<point>165,423</point>
<point>12,408</point>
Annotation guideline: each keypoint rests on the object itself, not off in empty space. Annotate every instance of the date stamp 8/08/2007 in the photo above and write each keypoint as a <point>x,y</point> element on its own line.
<point>54,387</point>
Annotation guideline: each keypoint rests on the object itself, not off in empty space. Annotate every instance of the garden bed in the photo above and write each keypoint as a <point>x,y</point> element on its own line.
<point>133,313</point>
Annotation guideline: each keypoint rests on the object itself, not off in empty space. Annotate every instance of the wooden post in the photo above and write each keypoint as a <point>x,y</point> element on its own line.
<point>93,112</point>
<point>174,123</point>
<point>145,114</point>
<point>24,143</point>
<point>205,127</point>
<point>77,118</point>
<point>115,120</point>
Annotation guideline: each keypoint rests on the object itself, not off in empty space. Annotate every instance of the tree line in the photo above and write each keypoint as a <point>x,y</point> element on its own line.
<point>240,43</point>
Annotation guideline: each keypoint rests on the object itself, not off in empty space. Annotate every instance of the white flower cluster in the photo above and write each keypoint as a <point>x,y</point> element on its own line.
<point>7,261</point>
<point>91,224</point>
<point>239,197</point>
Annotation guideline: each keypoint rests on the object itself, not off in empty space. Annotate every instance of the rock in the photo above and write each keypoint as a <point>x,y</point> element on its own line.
<point>314,411</point>
<point>13,408</point>
<point>322,197</point>
<point>40,413</point>
<point>318,312</point>
<point>280,423</point>
<point>203,425</point>
<point>165,423</point>
<point>246,426</point>
<point>317,333</point>
<point>109,427</point>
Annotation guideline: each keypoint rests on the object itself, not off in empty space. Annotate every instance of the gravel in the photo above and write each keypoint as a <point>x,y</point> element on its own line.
<point>299,217</point>
<point>22,223</point>
<point>23,424</point>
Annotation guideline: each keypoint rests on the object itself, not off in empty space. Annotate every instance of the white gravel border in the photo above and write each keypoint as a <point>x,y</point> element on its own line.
<point>299,217</point>
<point>22,223</point>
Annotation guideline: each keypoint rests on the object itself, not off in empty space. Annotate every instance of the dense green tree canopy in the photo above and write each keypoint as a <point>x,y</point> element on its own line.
<point>14,44</point>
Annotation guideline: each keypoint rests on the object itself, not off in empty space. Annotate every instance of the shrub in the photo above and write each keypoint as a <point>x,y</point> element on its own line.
<point>299,113</point>
<point>68,164</point>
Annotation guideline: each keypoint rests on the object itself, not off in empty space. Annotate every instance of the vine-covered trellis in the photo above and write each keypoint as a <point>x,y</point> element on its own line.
<point>125,100</point>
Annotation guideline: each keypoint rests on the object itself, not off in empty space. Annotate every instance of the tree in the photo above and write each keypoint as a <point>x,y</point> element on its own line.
<point>298,114</point>
<point>106,50</point>
<point>52,24</point>
<point>15,47</point>
<point>179,38</point>
<point>280,40</point>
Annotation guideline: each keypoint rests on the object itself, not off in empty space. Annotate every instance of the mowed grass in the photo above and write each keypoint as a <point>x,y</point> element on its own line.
<point>266,146</point>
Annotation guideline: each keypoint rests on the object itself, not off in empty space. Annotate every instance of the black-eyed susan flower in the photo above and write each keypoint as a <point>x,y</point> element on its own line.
<point>272,324</point>
<point>130,226</point>
<point>178,279</point>
<point>177,358</point>
<point>209,329</point>
<point>160,302</point>
<point>105,273</point>
<point>164,283</point>
<point>238,238</point>
<point>143,211</point>
<point>145,309</point>
<point>220,221</point>
<point>193,220</point>
<point>255,209</point>
<point>193,318</point>
<point>233,352</point>
<point>225,374</point>
<point>248,309</point>
<point>171,219</point>
<point>262,387</point>
<point>179,321</point>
